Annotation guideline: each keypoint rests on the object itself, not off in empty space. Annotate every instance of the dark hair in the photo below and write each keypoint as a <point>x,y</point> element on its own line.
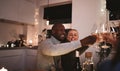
<point>56,26</point>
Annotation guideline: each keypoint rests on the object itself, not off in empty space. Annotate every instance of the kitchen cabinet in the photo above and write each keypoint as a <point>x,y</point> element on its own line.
<point>18,59</point>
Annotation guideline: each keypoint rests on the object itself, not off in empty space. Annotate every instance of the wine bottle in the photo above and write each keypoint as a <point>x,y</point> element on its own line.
<point>88,64</point>
<point>77,62</point>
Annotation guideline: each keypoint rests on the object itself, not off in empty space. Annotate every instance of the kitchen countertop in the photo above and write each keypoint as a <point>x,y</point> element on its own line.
<point>25,47</point>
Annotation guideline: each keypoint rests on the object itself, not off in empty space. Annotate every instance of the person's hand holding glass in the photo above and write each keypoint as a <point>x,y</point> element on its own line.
<point>104,33</point>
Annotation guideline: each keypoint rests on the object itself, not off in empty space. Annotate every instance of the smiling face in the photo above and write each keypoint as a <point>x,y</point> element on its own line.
<point>58,31</point>
<point>72,35</point>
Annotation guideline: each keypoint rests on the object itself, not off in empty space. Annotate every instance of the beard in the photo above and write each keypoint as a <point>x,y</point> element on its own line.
<point>62,37</point>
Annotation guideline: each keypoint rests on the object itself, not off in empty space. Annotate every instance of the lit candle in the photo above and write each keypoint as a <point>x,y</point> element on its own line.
<point>30,42</point>
<point>47,22</point>
<point>77,53</point>
<point>7,45</point>
<point>12,45</point>
<point>3,69</point>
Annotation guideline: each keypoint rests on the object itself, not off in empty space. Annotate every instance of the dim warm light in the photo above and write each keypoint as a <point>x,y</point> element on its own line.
<point>30,42</point>
<point>77,53</point>
<point>3,69</point>
<point>47,22</point>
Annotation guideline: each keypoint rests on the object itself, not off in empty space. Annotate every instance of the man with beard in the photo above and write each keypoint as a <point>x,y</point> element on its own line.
<point>50,50</point>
